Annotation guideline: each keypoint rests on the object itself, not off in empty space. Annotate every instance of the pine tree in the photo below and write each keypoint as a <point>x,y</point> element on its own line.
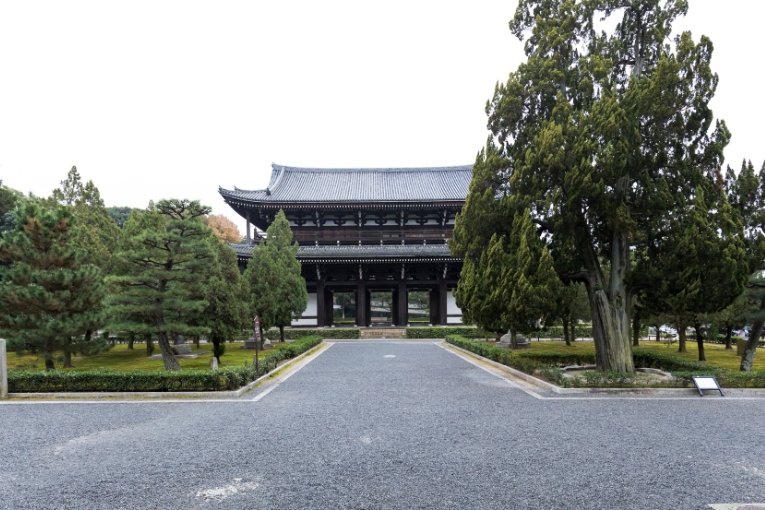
<point>277,291</point>
<point>48,296</point>
<point>162,269</point>
<point>94,232</point>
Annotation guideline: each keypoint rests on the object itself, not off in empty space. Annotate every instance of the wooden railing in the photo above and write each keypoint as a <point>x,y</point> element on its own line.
<point>388,236</point>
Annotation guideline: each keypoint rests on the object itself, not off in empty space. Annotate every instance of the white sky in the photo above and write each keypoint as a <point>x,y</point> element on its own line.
<point>159,99</point>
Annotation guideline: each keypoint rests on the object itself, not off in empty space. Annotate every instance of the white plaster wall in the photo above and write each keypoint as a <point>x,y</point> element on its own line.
<point>452,309</point>
<point>310,311</point>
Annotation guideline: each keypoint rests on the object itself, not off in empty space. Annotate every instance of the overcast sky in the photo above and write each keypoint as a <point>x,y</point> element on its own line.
<point>154,99</point>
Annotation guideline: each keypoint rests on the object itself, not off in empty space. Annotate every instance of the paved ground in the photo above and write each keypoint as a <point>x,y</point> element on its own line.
<point>385,425</point>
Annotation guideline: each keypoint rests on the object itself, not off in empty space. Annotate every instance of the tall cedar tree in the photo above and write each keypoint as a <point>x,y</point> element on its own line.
<point>605,134</point>
<point>47,294</point>
<point>226,313</point>
<point>277,291</point>
<point>164,268</point>
<point>513,284</point>
<point>747,195</point>
<point>703,261</point>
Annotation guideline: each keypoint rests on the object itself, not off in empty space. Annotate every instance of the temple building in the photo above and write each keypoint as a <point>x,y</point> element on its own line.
<point>373,241</point>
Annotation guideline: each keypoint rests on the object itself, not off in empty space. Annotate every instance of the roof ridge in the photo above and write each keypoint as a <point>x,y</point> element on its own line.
<point>455,168</point>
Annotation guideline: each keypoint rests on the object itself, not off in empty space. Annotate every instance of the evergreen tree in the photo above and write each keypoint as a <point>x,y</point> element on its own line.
<point>162,271</point>
<point>49,298</point>
<point>226,313</point>
<point>605,135</point>
<point>277,291</point>
<point>747,195</point>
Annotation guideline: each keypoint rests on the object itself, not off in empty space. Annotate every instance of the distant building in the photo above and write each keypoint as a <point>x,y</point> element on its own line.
<point>372,240</point>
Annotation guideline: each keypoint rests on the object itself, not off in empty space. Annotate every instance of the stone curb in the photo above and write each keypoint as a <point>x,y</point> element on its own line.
<point>758,393</point>
<point>168,395</point>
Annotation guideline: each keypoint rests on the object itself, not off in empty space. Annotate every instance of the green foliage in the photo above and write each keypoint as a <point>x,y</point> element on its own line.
<point>120,215</point>
<point>547,365</point>
<point>277,291</point>
<point>49,298</point>
<point>95,232</point>
<point>8,200</point>
<point>225,313</point>
<point>339,333</point>
<point>603,137</point>
<point>444,331</point>
<point>20,381</point>
<point>162,268</point>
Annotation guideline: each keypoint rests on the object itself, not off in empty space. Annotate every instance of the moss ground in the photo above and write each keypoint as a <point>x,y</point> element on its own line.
<point>716,354</point>
<point>121,358</point>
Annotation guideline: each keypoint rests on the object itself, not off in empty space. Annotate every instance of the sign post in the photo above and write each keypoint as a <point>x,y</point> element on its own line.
<point>3,370</point>
<point>256,337</point>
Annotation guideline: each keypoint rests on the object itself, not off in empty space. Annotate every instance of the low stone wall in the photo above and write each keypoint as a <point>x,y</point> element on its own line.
<point>3,370</point>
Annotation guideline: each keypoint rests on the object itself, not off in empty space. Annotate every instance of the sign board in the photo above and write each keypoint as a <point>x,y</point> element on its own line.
<point>706,382</point>
<point>256,329</point>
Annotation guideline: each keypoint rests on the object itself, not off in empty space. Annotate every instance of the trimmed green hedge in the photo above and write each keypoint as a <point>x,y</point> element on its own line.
<point>443,331</point>
<point>22,381</point>
<point>548,365</point>
<point>293,333</point>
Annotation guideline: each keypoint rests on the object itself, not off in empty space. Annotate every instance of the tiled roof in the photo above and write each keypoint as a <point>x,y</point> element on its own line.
<point>290,184</point>
<point>352,253</point>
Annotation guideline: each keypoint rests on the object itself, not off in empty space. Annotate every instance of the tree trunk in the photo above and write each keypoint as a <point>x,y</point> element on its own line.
<point>658,333</point>
<point>636,330</point>
<point>131,339</point>
<point>149,347</point>
<point>168,358</point>
<point>48,355</point>
<point>566,332</point>
<point>513,339</point>
<point>216,348</point>
<point>281,333</point>
<point>681,337</point>
<point>728,336</point>
<point>699,341</point>
<point>610,317</point>
<point>196,342</point>
<point>747,359</point>
<point>67,353</point>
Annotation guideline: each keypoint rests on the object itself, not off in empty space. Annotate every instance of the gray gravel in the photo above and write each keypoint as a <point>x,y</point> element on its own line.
<point>355,429</point>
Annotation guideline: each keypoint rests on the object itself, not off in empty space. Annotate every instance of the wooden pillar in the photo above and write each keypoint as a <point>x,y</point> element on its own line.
<point>442,308</point>
<point>403,301</point>
<point>249,227</point>
<point>321,308</point>
<point>361,304</point>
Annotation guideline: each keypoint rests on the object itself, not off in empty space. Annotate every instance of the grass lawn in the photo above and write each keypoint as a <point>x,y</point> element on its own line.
<point>716,354</point>
<point>124,359</point>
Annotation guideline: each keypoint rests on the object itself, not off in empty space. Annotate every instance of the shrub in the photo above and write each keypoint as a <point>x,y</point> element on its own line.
<point>293,333</point>
<point>443,331</point>
<point>23,381</point>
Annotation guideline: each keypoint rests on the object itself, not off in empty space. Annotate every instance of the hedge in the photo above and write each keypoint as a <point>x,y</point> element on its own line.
<point>443,331</point>
<point>293,333</point>
<point>22,381</point>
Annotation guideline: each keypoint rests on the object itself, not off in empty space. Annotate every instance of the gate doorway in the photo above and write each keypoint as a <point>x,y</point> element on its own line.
<point>381,308</point>
<point>418,307</point>
<point>344,308</point>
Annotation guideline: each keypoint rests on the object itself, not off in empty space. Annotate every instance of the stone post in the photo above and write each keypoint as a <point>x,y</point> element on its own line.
<point>3,370</point>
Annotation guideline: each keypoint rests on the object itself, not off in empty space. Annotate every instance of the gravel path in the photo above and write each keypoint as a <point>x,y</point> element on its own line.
<point>384,425</point>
